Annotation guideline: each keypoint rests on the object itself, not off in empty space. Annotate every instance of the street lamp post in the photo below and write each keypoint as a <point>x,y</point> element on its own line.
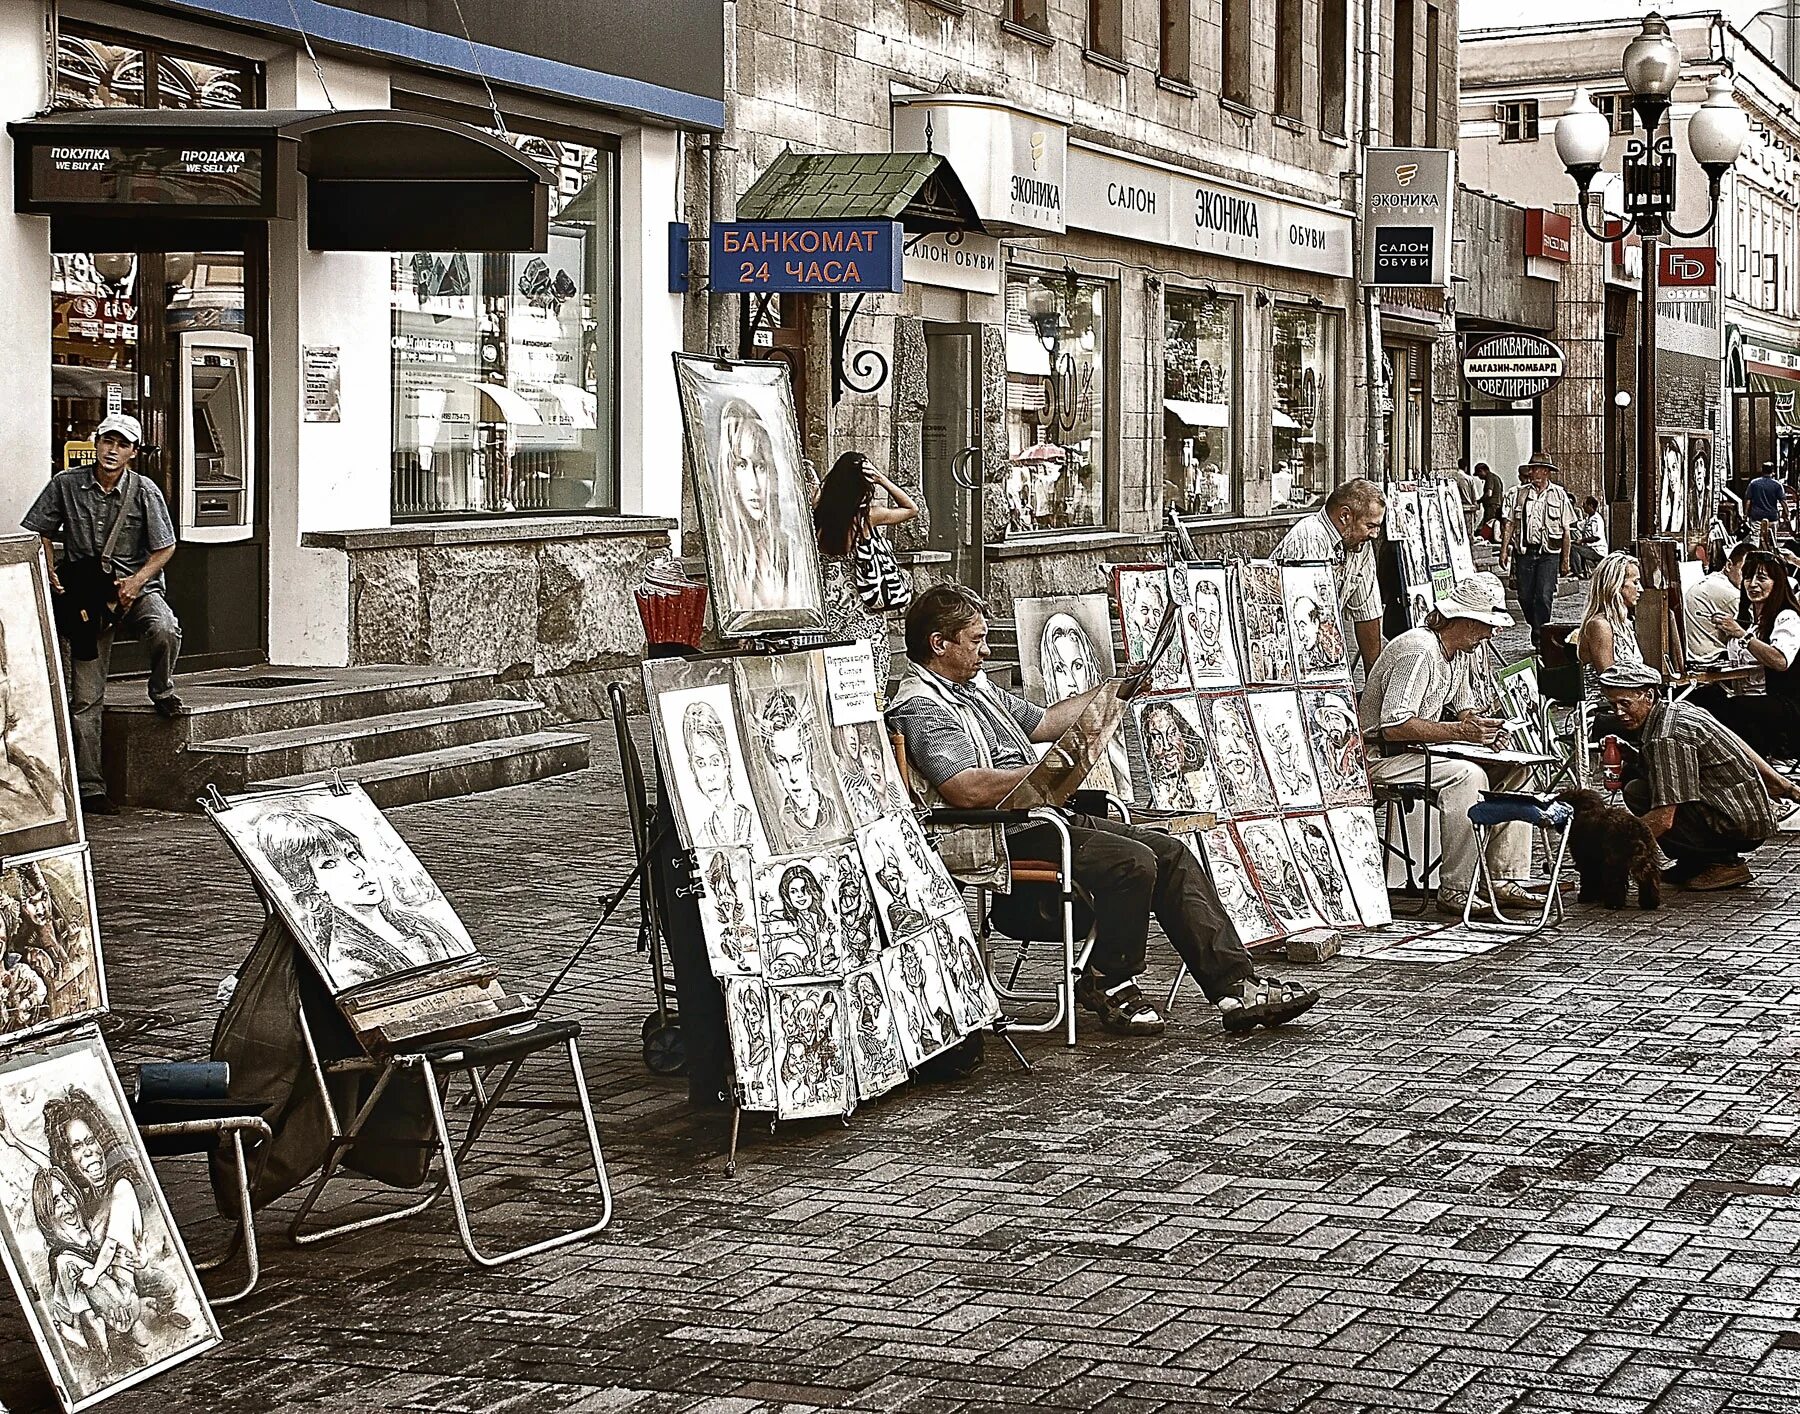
<point>1716,133</point>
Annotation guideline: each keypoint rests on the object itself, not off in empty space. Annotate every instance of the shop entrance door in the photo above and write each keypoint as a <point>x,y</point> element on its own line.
<point>175,339</point>
<point>952,454</point>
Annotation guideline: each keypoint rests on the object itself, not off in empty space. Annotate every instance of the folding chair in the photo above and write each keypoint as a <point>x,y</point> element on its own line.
<point>174,1127</point>
<point>1548,820</point>
<point>664,1053</point>
<point>1395,800</point>
<point>476,1056</point>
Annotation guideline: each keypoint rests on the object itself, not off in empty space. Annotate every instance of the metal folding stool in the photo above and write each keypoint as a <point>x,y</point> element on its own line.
<point>1395,800</point>
<point>1488,815</point>
<point>175,1127</point>
<point>507,1047</point>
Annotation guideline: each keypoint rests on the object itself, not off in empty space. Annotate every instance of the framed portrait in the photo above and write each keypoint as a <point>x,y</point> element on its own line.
<point>1703,497</point>
<point>108,1290</point>
<point>51,975</point>
<point>1309,594</point>
<point>1177,755</point>
<point>752,1042</point>
<point>1142,594</point>
<point>1432,522</point>
<point>1364,859</point>
<point>971,990</point>
<point>1208,626</point>
<point>1462,554</point>
<point>1671,481</point>
<point>1066,649</point>
<point>756,521</point>
<point>1321,872</point>
<point>921,994</point>
<point>796,903</point>
<point>1250,917</point>
<point>357,899</point>
<point>788,751</point>
<point>1243,777</point>
<point>700,744</point>
<point>812,1050</point>
<point>908,879</point>
<point>38,784</point>
<point>1407,531</point>
<point>1271,863</point>
<point>728,911</point>
<point>1335,736</point>
<point>1280,732</point>
<point>1268,651</point>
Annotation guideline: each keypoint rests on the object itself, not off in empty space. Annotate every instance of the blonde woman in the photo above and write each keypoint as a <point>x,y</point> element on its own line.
<point>1607,637</point>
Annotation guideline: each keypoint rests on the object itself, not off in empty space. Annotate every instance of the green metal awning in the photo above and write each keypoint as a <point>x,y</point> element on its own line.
<point>918,189</point>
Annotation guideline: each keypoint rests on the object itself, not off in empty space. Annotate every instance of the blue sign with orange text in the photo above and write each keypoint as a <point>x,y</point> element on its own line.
<point>806,257</point>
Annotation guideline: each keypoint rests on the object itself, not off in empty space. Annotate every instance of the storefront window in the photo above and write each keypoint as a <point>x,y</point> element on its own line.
<point>1057,355</point>
<point>1405,401</point>
<point>1200,335</point>
<point>98,70</point>
<point>504,363</point>
<point>1307,440</point>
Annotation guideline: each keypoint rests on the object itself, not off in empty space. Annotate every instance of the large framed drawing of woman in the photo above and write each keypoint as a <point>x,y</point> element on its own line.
<point>85,1236</point>
<point>744,448</point>
<point>37,756</point>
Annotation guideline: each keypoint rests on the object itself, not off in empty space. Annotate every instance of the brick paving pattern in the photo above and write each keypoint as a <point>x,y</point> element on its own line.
<point>1560,1176</point>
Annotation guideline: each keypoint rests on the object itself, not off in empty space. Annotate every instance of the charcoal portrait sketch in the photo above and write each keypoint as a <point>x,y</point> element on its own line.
<point>867,774</point>
<point>1272,864</point>
<point>812,1052</point>
<point>728,912</point>
<point>700,741</point>
<point>358,900</point>
<point>1178,759</point>
<point>1365,861</point>
<point>1275,716</point>
<point>1142,592</point>
<point>1335,736</point>
<point>744,451</point>
<point>796,904</point>
<point>1065,649</point>
<point>1243,905</point>
<point>752,1045</point>
<point>1320,872</point>
<point>970,989</point>
<point>50,967</point>
<point>1206,627</point>
<point>876,1058</point>
<point>1263,605</point>
<point>108,1289</point>
<point>792,771</point>
<point>1243,778</point>
<point>1320,653</point>
<point>35,766</point>
<point>922,1007</point>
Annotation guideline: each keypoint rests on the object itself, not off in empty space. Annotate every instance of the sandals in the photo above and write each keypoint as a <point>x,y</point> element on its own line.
<point>1121,1007</point>
<point>1263,1001</point>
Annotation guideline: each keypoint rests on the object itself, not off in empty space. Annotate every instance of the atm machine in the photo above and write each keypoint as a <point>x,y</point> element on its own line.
<point>216,491</point>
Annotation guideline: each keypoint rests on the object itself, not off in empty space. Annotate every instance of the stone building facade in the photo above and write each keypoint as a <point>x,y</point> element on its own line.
<point>1183,330</point>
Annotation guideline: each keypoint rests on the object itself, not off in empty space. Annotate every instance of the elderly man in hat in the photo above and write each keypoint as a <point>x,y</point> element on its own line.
<point>1704,794</point>
<point>108,515</point>
<point>1419,693</point>
<point>1540,520</point>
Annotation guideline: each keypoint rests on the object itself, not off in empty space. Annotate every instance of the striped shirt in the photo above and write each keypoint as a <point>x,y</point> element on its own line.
<point>1691,758</point>
<point>1314,539</point>
<point>938,744</point>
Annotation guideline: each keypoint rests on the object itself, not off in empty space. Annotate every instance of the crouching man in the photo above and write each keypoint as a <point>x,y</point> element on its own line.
<point>1702,791</point>
<point>972,743</point>
<point>1421,678</point>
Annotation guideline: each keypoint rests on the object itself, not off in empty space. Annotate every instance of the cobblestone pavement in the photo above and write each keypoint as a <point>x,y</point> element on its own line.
<point>1560,1176</point>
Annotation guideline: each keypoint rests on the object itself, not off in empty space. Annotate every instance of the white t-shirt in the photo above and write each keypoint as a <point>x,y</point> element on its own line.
<point>1784,638</point>
<point>1713,595</point>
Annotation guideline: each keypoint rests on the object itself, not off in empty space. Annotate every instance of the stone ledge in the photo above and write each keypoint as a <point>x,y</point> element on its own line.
<point>487,532</point>
<point>1039,544</point>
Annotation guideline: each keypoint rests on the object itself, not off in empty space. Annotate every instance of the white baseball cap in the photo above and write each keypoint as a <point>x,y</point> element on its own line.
<point>1480,597</point>
<point>124,424</point>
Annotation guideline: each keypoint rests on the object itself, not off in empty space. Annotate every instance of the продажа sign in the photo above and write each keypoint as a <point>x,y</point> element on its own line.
<point>1513,367</point>
<point>806,257</point>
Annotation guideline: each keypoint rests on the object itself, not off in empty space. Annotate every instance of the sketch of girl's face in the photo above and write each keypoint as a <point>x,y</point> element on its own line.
<point>1068,659</point>
<point>749,468</point>
<point>65,1209</point>
<point>85,1149</point>
<point>800,893</point>
<point>711,768</point>
<point>343,876</point>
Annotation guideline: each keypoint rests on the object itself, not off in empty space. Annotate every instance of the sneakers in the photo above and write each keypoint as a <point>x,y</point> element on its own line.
<point>1120,1006</point>
<point>1720,876</point>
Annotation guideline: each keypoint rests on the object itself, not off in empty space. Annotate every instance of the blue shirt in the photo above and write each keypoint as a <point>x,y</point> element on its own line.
<point>1765,498</point>
<point>74,510</point>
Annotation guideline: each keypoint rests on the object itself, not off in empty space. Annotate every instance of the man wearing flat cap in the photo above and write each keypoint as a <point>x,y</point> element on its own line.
<point>1540,519</point>
<point>1702,791</point>
<point>107,515</point>
<point>1419,693</point>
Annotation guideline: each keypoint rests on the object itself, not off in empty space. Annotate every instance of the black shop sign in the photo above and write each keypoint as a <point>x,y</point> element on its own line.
<point>1403,254</point>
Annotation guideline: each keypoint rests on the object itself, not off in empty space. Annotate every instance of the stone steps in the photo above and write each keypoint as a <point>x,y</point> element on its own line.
<point>459,770</point>
<point>237,762</point>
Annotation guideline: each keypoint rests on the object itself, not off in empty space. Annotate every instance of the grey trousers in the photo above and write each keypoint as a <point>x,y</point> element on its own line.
<point>149,619</point>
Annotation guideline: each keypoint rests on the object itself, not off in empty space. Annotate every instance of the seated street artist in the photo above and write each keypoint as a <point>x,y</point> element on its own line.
<point>1703,792</point>
<point>972,743</point>
<point>1420,677</point>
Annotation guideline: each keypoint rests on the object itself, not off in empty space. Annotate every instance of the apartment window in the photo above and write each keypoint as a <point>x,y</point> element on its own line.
<point>1106,27</point>
<point>1058,366</point>
<point>1518,120</point>
<point>1617,108</point>
<point>1289,17</point>
<point>1434,34</point>
<point>1176,40</point>
<point>1334,39</point>
<point>1234,51</point>
<point>1200,403</point>
<point>1404,77</point>
<point>1030,14</point>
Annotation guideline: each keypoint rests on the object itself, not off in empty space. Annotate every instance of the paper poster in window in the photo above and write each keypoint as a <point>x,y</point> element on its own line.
<point>744,448</point>
<point>546,306</point>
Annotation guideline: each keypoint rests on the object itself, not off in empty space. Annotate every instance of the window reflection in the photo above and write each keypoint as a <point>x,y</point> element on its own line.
<point>1056,371</point>
<point>1199,403</point>
<point>1306,435</point>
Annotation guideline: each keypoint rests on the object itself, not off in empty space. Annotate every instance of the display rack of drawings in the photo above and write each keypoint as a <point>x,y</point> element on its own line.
<point>1430,538</point>
<point>85,1236</point>
<point>1249,717</point>
<point>845,951</point>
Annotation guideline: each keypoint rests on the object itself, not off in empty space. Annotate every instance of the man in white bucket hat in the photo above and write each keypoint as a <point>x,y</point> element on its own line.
<point>1419,693</point>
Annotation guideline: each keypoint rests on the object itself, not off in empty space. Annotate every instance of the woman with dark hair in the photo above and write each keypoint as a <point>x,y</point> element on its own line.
<point>848,523</point>
<point>1769,723</point>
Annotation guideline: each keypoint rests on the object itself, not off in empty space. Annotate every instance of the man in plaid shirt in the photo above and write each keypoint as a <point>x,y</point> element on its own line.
<point>1702,791</point>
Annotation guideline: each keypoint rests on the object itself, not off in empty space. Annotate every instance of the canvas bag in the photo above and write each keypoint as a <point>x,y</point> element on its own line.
<point>881,584</point>
<point>258,1035</point>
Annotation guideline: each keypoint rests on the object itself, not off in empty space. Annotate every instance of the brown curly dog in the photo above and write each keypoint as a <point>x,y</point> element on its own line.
<point>1612,847</point>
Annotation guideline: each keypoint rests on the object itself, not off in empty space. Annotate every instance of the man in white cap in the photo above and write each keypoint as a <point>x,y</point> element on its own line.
<point>1420,680</point>
<point>1704,794</point>
<point>113,524</point>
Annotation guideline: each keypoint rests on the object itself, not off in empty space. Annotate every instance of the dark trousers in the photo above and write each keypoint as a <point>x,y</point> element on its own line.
<point>1537,586</point>
<point>1768,722</point>
<point>1700,836</point>
<point>698,996</point>
<point>1130,874</point>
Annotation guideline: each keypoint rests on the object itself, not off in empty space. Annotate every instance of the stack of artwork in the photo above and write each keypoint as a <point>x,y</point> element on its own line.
<point>85,1236</point>
<point>1430,535</point>
<point>1253,721</point>
<point>843,945</point>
